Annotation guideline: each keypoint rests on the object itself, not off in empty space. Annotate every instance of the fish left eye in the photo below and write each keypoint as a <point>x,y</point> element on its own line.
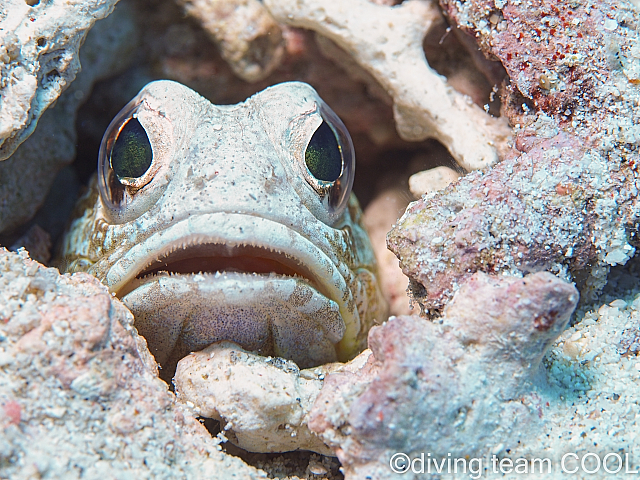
<point>131,154</point>
<point>125,157</point>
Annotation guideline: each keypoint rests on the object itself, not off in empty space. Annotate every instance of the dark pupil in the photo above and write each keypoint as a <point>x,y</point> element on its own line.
<point>131,154</point>
<point>323,156</point>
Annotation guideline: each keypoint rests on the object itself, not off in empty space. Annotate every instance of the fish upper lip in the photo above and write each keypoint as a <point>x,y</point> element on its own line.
<point>240,231</point>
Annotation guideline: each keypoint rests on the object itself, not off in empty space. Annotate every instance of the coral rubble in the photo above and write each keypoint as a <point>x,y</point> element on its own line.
<point>39,47</point>
<point>565,198</point>
<point>387,43</point>
<point>453,388</point>
<point>79,390</point>
<point>27,175</point>
<point>262,402</point>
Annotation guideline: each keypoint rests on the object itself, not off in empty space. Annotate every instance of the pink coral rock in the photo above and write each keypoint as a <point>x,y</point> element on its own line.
<point>458,386</point>
<point>79,392</point>
<point>565,197</point>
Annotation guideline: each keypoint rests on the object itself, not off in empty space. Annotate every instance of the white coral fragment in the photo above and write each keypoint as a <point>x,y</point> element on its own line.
<point>431,180</point>
<point>263,402</point>
<point>248,37</point>
<point>39,59</point>
<point>387,43</point>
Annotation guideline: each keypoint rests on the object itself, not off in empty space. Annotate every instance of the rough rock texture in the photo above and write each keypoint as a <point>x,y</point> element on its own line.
<point>582,399</point>
<point>387,43</point>
<point>79,393</point>
<point>39,43</point>
<point>450,388</point>
<point>262,402</point>
<point>565,198</point>
<point>248,37</point>
<point>25,177</point>
<point>593,372</point>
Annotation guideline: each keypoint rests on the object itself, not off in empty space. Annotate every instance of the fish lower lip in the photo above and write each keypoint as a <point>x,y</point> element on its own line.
<point>271,314</point>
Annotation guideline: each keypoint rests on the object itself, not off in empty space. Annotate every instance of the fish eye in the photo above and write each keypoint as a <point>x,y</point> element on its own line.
<point>125,158</point>
<point>135,146</point>
<point>323,156</point>
<point>330,162</point>
<point>131,154</point>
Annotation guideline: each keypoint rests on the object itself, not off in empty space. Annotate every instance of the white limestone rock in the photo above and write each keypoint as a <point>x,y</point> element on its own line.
<point>262,402</point>
<point>39,43</point>
<point>387,43</point>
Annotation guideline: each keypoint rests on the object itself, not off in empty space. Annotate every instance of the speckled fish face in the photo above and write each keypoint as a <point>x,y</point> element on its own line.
<point>231,223</point>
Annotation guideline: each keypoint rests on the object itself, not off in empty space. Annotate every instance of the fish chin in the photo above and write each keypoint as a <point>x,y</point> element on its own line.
<point>271,314</point>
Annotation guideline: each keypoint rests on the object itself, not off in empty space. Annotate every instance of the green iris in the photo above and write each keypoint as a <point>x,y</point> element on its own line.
<point>131,154</point>
<point>323,156</point>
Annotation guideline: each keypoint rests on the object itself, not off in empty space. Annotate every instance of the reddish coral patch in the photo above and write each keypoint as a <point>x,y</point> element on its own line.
<point>13,412</point>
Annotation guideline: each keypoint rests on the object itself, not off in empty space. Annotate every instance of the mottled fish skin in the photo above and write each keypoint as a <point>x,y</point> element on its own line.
<point>230,182</point>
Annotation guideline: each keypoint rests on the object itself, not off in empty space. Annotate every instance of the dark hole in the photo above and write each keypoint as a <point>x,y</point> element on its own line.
<point>276,464</point>
<point>622,282</point>
<point>41,42</point>
<point>32,3</point>
<point>51,75</point>
<point>455,55</point>
<point>517,102</point>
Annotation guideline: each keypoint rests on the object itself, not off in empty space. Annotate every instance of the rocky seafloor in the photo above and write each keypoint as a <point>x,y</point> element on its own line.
<point>520,350</point>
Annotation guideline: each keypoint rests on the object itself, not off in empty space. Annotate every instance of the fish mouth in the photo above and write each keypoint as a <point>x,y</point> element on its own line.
<point>248,250</point>
<point>197,256</point>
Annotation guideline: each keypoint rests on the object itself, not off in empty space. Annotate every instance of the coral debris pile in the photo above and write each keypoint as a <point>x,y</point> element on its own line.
<point>79,392</point>
<point>387,43</point>
<point>565,198</point>
<point>457,388</point>
<point>39,43</point>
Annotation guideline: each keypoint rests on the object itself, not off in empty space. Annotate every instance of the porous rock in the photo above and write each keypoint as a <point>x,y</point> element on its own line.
<point>27,175</point>
<point>39,43</point>
<point>79,392</point>
<point>454,389</point>
<point>262,402</point>
<point>565,197</point>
